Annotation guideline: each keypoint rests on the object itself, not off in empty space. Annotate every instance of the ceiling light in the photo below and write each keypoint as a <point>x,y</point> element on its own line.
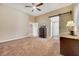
<point>34,7</point>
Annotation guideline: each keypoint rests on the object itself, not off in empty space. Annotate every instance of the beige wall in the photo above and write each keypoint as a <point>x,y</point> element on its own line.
<point>43,19</point>
<point>16,24</point>
<point>63,22</point>
<point>13,23</point>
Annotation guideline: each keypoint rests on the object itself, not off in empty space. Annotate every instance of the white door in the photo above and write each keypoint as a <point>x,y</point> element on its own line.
<point>34,28</point>
<point>55,27</point>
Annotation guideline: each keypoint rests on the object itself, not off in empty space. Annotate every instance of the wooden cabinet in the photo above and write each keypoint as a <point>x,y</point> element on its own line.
<point>69,46</point>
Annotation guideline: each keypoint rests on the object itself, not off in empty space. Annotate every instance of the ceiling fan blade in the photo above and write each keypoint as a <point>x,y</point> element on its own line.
<point>38,9</point>
<point>32,10</point>
<point>33,4</point>
<point>28,6</point>
<point>39,4</point>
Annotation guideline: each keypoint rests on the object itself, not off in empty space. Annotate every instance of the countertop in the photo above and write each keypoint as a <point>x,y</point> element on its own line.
<point>70,36</point>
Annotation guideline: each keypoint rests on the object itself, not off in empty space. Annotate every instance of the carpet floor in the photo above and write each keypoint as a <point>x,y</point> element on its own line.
<point>30,46</point>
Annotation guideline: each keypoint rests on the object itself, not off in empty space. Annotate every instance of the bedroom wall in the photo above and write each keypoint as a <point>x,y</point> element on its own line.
<point>14,24</point>
<point>44,19</point>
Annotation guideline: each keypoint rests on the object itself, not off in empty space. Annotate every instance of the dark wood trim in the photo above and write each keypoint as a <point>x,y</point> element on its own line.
<point>60,14</point>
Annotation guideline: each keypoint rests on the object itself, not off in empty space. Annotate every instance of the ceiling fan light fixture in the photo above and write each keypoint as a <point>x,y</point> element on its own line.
<point>34,7</point>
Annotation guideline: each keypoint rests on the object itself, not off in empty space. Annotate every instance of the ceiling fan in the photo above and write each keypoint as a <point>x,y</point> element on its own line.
<point>35,6</point>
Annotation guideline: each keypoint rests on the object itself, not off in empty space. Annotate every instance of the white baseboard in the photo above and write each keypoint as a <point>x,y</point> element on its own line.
<point>14,39</point>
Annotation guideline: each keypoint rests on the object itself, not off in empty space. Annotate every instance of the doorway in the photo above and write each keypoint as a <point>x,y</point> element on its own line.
<point>34,28</point>
<point>55,27</point>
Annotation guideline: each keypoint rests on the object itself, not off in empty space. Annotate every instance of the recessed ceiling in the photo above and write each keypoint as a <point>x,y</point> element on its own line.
<point>46,7</point>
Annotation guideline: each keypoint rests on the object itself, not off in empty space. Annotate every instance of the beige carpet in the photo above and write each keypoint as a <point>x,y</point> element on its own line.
<point>30,47</point>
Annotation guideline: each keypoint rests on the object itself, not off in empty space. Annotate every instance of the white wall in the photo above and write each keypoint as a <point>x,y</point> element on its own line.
<point>13,24</point>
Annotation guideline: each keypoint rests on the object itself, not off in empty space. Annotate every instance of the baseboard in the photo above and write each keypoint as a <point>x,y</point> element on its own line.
<point>14,39</point>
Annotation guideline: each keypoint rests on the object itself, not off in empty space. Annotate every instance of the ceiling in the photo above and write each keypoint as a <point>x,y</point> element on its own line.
<point>46,7</point>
